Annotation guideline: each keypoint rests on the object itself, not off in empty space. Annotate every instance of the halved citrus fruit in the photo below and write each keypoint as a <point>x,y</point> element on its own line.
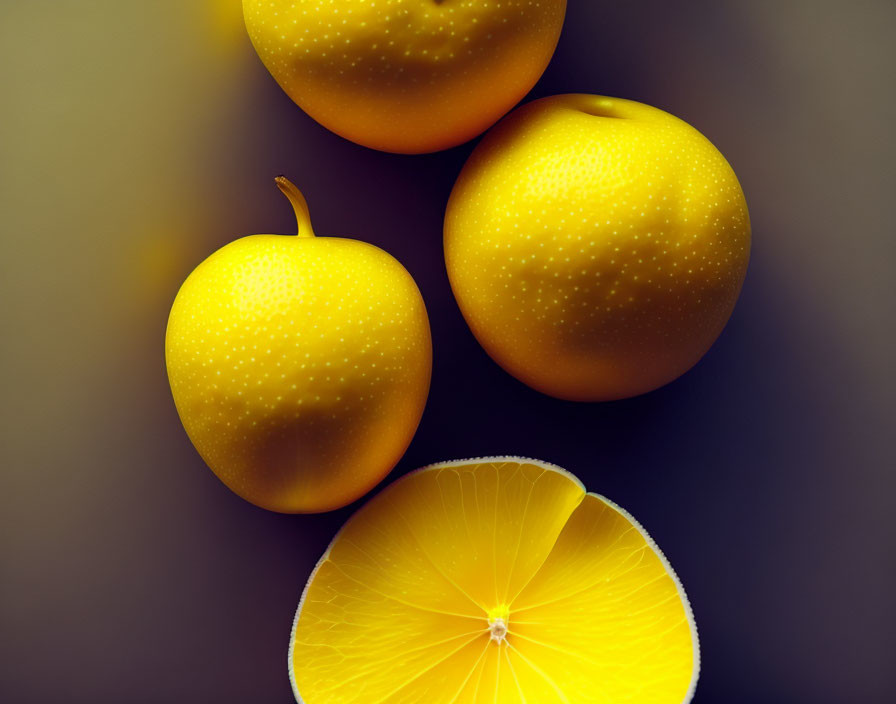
<point>493,580</point>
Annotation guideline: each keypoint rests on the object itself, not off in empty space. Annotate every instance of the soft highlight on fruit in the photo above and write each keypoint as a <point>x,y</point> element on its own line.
<point>299,365</point>
<point>493,581</point>
<point>596,246</point>
<point>405,76</point>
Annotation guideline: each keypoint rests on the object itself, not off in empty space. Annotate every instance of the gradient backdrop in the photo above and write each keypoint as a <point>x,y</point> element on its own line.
<point>136,138</point>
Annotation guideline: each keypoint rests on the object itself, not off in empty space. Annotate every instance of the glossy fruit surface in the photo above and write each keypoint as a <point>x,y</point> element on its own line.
<point>405,76</point>
<point>299,365</point>
<point>596,246</point>
<point>495,580</point>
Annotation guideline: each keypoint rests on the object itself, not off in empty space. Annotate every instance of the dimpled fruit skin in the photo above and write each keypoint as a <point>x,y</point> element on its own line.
<point>406,76</point>
<point>299,367</point>
<point>596,246</point>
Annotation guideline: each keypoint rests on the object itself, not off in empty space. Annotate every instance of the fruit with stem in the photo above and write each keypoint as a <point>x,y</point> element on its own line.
<point>299,365</point>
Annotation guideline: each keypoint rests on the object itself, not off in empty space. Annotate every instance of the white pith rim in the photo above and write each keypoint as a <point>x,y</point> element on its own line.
<point>689,614</point>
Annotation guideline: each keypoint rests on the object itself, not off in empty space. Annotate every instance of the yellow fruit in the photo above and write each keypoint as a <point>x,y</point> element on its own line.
<point>596,246</point>
<point>405,76</point>
<point>299,365</point>
<point>492,581</point>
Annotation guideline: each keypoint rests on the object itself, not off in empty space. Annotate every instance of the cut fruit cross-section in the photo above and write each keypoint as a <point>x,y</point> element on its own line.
<point>493,581</point>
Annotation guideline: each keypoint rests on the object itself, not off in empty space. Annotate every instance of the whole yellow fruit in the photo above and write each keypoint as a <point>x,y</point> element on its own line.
<point>596,246</point>
<point>405,76</point>
<point>299,365</point>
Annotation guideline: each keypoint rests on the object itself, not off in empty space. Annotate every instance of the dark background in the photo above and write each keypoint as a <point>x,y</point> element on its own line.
<point>139,139</point>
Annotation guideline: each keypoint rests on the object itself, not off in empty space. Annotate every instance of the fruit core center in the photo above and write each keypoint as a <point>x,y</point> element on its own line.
<point>497,627</point>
